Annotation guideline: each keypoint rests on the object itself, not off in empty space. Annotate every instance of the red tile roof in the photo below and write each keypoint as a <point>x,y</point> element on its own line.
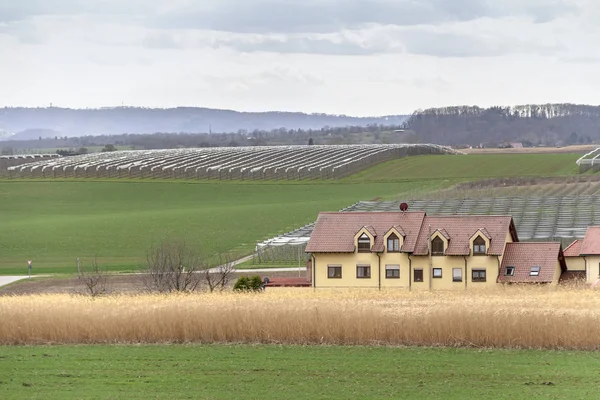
<point>288,282</point>
<point>591,241</point>
<point>525,255</point>
<point>574,249</point>
<point>460,229</point>
<point>334,232</point>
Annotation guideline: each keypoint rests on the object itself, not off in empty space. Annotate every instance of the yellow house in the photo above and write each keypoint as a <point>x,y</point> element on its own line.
<point>418,252</point>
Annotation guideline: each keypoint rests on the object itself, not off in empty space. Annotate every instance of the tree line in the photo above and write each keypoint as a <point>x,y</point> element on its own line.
<point>352,134</point>
<point>546,124</point>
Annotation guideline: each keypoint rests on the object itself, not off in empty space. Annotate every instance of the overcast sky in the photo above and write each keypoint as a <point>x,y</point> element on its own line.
<point>357,57</point>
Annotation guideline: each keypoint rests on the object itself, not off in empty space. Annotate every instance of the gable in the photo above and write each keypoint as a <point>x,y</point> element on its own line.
<point>591,242</point>
<point>461,229</point>
<point>334,232</point>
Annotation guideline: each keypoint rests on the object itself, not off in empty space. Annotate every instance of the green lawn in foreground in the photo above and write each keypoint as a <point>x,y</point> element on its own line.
<point>53,222</point>
<point>284,372</point>
<point>472,166</point>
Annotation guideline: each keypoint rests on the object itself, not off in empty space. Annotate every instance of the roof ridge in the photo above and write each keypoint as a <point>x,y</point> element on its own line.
<point>572,243</point>
<point>534,243</point>
<point>471,216</point>
<point>371,212</point>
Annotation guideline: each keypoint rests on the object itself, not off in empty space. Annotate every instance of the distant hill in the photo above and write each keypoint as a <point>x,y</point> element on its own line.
<point>547,124</point>
<point>32,123</point>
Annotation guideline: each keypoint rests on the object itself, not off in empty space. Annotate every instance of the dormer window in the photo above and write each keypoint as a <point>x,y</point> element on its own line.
<point>437,247</point>
<point>364,244</point>
<point>479,246</point>
<point>393,243</point>
<point>534,271</point>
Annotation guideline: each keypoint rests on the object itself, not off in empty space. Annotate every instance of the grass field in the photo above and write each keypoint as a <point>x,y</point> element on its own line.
<point>293,372</point>
<point>472,166</point>
<point>54,222</point>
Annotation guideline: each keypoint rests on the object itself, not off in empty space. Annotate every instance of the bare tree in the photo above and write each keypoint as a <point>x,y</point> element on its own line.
<point>172,266</point>
<point>218,278</point>
<point>94,279</point>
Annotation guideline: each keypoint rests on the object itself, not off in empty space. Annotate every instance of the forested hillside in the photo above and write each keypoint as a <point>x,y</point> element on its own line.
<point>547,124</point>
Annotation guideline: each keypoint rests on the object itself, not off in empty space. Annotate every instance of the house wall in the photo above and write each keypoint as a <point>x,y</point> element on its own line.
<point>349,262</point>
<point>400,259</point>
<point>575,263</point>
<point>557,273</point>
<point>592,268</point>
<point>447,263</point>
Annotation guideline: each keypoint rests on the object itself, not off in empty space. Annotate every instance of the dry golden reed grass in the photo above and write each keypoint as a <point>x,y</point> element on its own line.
<point>507,318</point>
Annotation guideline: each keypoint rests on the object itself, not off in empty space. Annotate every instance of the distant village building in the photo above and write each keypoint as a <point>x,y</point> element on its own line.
<point>415,251</point>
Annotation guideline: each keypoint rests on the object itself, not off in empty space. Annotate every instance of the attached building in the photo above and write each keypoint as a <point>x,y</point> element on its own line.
<point>414,251</point>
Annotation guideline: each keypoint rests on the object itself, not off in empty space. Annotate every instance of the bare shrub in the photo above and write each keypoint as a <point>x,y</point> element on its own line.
<point>93,279</point>
<point>218,278</point>
<point>172,266</point>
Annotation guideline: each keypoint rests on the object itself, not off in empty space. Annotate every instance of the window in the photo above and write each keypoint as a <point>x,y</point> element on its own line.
<point>363,271</point>
<point>364,244</point>
<point>418,275</point>
<point>510,271</point>
<point>478,275</point>
<point>392,272</point>
<point>334,271</point>
<point>393,243</point>
<point>456,274</point>
<point>437,272</point>
<point>535,271</point>
<point>479,246</point>
<point>437,247</point>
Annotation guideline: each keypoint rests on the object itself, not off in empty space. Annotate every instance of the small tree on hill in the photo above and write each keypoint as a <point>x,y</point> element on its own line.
<point>93,278</point>
<point>172,266</point>
<point>218,278</point>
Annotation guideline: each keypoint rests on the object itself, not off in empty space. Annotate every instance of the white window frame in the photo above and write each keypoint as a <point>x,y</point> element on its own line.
<point>392,267</point>
<point>329,276</point>
<point>454,277</point>
<point>364,267</point>
<point>395,241</point>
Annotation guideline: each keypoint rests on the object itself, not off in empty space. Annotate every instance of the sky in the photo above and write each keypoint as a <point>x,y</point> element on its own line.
<point>353,57</point>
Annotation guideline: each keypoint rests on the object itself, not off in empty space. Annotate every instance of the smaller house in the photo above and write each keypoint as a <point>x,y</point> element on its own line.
<point>584,255</point>
<point>531,262</point>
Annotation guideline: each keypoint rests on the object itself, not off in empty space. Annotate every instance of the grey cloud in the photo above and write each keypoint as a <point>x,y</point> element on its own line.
<point>447,44</point>
<point>12,10</point>
<point>269,16</point>
<point>301,46</point>
<point>264,16</point>
<point>418,41</point>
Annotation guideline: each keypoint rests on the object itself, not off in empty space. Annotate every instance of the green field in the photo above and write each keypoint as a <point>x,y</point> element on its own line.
<point>287,372</point>
<point>54,222</point>
<point>472,166</point>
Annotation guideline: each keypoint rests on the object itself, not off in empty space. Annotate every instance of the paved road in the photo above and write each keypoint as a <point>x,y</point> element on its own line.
<point>5,280</point>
